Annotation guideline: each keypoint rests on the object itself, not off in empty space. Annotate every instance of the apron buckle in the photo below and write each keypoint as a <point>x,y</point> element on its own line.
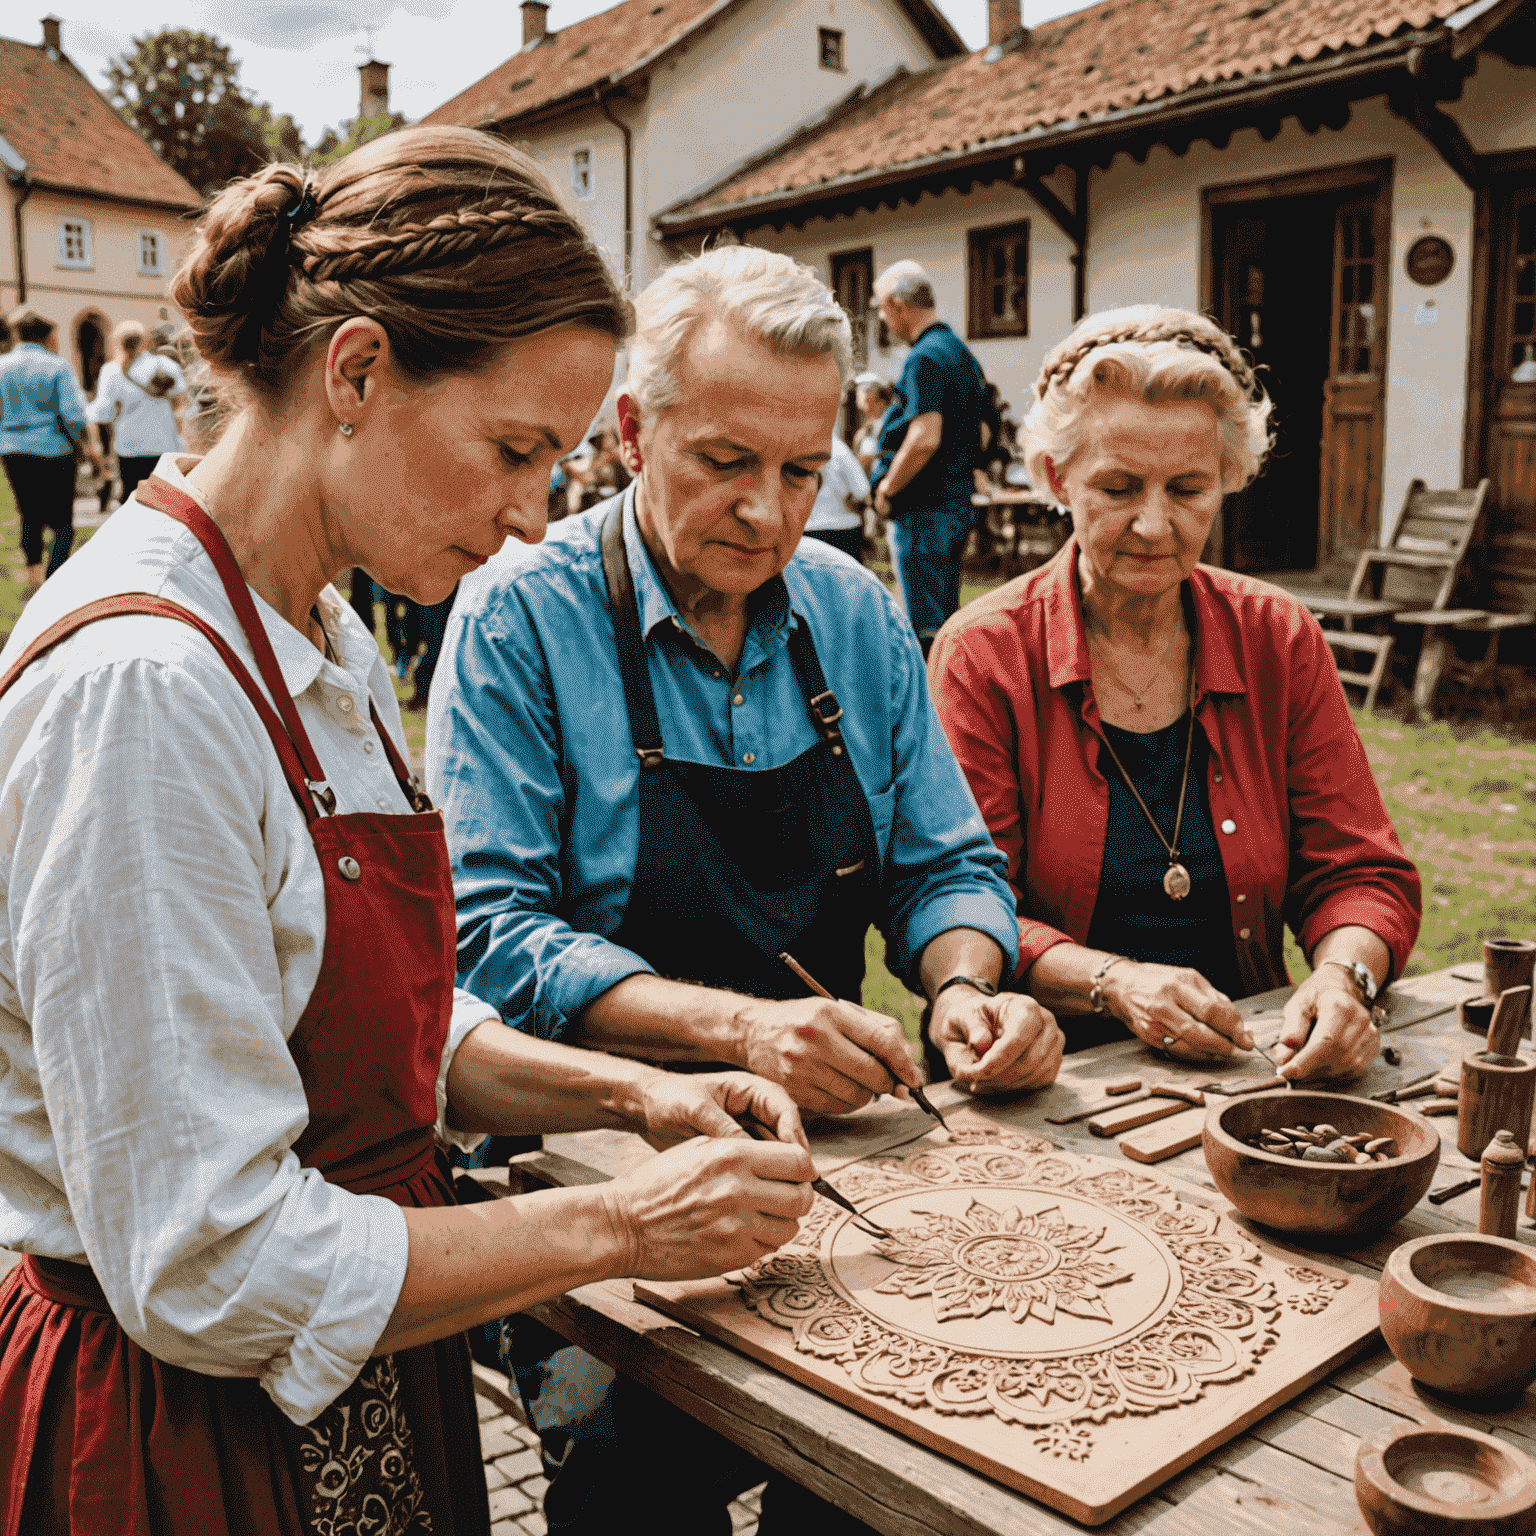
<point>650,757</point>
<point>825,719</point>
<point>324,794</point>
<point>419,798</point>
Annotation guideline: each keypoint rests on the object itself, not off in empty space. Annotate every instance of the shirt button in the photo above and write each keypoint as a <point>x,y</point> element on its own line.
<point>383,804</point>
<point>368,747</point>
<point>1229,825</point>
<point>344,704</point>
<point>749,758</point>
<point>1241,898</point>
<point>739,699</point>
<point>1242,933</point>
<point>716,674</point>
<point>1217,775</point>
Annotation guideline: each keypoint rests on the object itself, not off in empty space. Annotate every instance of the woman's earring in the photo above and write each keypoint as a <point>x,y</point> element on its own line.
<point>345,429</point>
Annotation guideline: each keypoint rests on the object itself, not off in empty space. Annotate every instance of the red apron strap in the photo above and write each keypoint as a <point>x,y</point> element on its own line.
<point>164,497</point>
<point>410,785</point>
<point>159,607</point>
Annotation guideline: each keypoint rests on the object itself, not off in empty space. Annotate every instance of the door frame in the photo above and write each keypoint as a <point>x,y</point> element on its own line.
<point>1369,176</point>
<point>1503,167</point>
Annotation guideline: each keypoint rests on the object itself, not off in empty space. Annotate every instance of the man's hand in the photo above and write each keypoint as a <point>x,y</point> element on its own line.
<point>681,1105</point>
<point>833,1057</point>
<point>1163,1002</point>
<point>1328,1031</point>
<point>997,1044</point>
<point>883,500</point>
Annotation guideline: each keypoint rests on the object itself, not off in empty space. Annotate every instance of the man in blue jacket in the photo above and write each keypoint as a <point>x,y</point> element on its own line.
<point>930,444</point>
<point>674,741</point>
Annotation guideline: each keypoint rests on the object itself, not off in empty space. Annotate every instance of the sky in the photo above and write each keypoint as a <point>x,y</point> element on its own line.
<point>302,55</point>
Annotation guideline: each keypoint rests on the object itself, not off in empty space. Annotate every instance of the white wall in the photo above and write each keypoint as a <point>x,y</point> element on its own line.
<point>751,79</point>
<point>551,145</point>
<point>934,234</point>
<point>1145,247</point>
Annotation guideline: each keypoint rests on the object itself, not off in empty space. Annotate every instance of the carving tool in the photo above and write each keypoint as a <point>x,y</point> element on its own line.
<point>1234,1087</point>
<point>760,1132</point>
<point>1156,1091</point>
<point>1417,1088</point>
<point>918,1096</point>
<point>1450,1191</point>
<point>1271,1060</point>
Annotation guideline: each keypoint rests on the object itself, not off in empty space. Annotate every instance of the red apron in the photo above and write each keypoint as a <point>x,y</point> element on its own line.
<point>98,1437</point>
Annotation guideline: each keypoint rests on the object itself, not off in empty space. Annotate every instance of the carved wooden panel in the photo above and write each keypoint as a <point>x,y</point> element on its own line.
<point>1063,1323</point>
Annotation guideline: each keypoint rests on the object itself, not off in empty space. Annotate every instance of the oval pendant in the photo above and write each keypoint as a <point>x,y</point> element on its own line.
<point>1176,881</point>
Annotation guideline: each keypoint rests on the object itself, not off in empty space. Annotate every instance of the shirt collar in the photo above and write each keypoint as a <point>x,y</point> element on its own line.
<point>769,605</point>
<point>298,660</point>
<point>1066,634</point>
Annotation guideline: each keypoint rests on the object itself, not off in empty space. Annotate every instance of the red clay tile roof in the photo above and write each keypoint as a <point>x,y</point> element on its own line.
<point>54,118</point>
<point>1112,56</point>
<point>605,48</point>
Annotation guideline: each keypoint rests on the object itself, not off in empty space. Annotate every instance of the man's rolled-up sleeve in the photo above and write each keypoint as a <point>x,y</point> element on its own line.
<point>943,870</point>
<point>494,766</point>
<point>1347,866</point>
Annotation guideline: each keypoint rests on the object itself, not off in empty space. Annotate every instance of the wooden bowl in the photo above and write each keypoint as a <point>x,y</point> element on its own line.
<point>1417,1480</point>
<point>1459,1311</point>
<point>1318,1198</point>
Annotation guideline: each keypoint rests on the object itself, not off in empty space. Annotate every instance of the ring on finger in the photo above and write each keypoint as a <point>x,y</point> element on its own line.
<point>1169,1041</point>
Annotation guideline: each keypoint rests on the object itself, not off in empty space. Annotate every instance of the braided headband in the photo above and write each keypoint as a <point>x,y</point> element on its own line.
<point>1065,367</point>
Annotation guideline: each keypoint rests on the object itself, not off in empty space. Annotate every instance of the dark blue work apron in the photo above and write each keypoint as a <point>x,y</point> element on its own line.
<point>735,867</point>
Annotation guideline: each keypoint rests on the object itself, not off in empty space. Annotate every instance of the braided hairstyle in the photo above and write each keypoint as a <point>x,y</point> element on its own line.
<point>1156,354</point>
<point>455,242</point>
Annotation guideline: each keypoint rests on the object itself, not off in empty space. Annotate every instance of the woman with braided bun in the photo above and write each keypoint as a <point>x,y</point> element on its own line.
<point>231,1045</point>
<point>1162,748</point>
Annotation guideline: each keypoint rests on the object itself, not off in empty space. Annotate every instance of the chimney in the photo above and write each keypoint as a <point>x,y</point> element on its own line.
<point>1005,19</point>
<point>535,14</point>
<point>373,92</point>
<point>51,43</point>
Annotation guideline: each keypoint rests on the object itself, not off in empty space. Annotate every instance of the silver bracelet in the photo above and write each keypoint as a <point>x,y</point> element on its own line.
<point>1096,993</point>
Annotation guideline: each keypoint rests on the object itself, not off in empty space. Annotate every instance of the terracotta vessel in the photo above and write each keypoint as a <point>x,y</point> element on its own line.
<point>1417,1480</point>
<point>1510,963</point>
<point>1498,1086</point>
<point>1459,1311</point>
<point>1318,1198</point>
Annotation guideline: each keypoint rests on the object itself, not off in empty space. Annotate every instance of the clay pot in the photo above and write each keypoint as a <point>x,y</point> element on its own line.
<point>1417,1480</point>
<point>1354,1198</point>
<point>1459,1311</point>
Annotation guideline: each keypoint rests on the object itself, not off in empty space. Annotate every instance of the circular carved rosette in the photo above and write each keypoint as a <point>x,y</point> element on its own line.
<point>1045,1289</point>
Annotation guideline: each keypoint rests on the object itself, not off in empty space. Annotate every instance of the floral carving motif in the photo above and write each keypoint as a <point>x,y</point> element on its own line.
<point>1024,1264</point>
<point>1020,1252</point>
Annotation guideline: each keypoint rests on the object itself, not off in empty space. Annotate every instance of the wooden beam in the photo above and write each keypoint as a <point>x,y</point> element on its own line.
<point>1072,222</point>
<point>1444,134</point>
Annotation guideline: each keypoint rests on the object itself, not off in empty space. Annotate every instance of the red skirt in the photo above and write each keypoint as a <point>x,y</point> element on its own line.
<point>98,1438</point>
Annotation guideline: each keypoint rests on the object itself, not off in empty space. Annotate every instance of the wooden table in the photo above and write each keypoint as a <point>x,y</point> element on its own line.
<point>1292,1471</point>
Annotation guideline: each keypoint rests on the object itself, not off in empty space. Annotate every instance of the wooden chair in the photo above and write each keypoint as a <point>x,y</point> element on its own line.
<point>1509,591</point>
<point>1417,571</point>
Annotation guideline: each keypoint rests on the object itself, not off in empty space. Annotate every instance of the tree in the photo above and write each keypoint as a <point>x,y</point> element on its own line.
<point>356,132</point>
<point>280,135</point>
<point>180,91</point>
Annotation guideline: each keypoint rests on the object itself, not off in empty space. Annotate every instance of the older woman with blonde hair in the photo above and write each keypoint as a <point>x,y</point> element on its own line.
<point>1162,749</point>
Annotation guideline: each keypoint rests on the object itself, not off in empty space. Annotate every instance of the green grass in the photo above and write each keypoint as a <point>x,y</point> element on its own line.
<point>1463,802</point>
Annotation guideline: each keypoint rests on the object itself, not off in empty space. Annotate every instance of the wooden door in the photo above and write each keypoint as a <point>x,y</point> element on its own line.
<point>1353,395</point>
<point>1512,425</point>
<point>853,285</point>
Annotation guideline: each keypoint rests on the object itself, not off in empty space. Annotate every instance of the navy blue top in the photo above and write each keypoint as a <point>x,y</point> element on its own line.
<point>1133,915</point>
<point>940,374</point>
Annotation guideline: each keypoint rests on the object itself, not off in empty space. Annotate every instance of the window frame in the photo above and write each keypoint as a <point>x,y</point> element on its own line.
<point>158,270</point>
<point>591,169</point>
<point>979,325</point>
<point>838,38</point>
<point>62,258</point>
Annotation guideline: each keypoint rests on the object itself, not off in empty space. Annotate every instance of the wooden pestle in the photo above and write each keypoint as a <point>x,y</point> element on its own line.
<point>1510,963</point>
<point>1498,1088</point>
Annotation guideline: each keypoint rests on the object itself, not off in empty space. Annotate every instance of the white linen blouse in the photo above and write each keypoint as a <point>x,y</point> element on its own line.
<point>163,928</point>
<point>142,424</point>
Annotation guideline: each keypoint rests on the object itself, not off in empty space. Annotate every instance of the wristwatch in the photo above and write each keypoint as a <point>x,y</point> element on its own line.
<point>984,987</point>
<point>1360,974</point>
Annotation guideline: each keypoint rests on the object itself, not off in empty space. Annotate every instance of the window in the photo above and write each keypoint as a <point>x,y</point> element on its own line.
<point>999,281</point>
<point>582,180</point>
<point>830,49</point>
<point>74,242</point>
<point>853,282</point>
<point>149,253</point>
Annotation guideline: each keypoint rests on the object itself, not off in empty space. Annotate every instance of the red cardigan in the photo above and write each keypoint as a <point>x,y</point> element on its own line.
<point>1304,836</point>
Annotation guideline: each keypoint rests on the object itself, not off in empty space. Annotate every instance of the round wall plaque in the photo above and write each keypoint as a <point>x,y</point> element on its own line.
<point>1430,260</point>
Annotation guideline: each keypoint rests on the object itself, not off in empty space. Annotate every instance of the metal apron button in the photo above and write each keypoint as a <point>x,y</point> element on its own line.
<point>349,867</point>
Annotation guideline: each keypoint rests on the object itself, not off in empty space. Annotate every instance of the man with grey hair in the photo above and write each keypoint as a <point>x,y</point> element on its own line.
<point>674,742</point>
<point>930,444</point>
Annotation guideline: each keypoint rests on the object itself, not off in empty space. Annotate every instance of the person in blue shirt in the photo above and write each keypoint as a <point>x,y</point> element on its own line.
<point>675,741</point>
<point>42,422</point>
<point>930,444</point>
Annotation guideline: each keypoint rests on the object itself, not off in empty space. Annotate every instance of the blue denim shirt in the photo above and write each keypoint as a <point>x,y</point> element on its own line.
<point>529,755</point>
<point>37,388</point>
